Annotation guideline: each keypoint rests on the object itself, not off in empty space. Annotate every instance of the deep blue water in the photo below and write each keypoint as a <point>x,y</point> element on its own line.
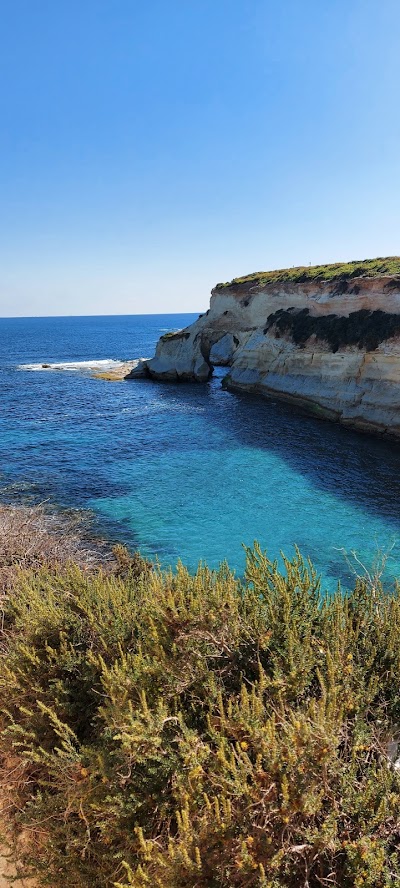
<point>185,471</point>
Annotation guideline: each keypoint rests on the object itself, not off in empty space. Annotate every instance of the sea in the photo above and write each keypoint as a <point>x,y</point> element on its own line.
<point>187,471</point>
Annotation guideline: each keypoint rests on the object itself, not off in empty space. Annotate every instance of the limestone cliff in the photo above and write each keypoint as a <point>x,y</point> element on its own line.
<point>325,338</point>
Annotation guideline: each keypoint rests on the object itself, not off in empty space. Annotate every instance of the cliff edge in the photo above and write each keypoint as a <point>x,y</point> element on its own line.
<point>326,338</point>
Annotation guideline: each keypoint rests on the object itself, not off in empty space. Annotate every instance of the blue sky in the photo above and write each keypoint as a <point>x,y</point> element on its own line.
<point>149,150</point>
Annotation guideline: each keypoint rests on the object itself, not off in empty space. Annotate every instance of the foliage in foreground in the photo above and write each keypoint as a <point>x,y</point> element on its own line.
<point>195,732</point>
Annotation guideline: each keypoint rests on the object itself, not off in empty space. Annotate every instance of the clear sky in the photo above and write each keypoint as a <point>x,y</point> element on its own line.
<point>151,149</point>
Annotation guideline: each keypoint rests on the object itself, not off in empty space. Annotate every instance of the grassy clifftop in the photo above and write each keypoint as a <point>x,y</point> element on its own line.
<point>334,272</point>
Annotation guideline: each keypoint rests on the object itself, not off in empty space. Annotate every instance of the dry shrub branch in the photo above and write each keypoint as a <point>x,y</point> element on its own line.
<point>31,536</point>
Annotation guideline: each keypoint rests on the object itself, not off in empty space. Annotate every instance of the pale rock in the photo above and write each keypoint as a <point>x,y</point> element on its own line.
<point>222,352</point>
<point>180,356</point>
<point>358,388</point>
<point>138,370</point>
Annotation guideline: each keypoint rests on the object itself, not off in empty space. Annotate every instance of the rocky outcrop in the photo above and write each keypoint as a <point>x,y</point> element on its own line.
<point>181,356</point>
<point>125,370</point>
<point>328,343</point>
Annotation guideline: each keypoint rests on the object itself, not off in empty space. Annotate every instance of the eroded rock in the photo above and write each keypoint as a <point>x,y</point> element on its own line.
<point>331,347</point>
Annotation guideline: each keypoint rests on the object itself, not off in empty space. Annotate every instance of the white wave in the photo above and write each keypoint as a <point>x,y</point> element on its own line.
<point>106,364</point>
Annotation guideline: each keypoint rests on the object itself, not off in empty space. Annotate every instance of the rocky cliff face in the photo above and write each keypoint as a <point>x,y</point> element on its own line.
<point>331,346</point>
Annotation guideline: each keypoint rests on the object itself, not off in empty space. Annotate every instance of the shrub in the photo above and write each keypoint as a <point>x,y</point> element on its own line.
<point>31,536</point>
<point>175,334</point>
<point>179,731</point>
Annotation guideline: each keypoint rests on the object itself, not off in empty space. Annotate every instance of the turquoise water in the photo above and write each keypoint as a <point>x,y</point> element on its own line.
<point>185,471</point>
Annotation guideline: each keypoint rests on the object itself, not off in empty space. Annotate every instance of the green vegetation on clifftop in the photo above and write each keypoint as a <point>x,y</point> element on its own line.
<point>337,271</point>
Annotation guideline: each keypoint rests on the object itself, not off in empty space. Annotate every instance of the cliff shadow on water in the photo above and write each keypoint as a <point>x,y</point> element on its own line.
<point>360,469</point>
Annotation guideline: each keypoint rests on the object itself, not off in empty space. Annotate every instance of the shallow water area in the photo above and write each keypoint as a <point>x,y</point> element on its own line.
<point>187,471</point>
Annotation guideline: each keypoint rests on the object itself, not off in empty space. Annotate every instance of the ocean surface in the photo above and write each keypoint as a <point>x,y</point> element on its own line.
<point>185,471</point>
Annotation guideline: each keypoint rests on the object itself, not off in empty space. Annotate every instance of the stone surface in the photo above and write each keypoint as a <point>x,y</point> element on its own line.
<point>222,352</point>
<point>126,370</point>
<point>9,874</point>
<point>181,356</point>
<point>138,370</point>
<point>356,387</point>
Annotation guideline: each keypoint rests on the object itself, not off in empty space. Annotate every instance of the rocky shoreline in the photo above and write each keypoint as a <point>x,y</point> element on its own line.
<point>327,342</point>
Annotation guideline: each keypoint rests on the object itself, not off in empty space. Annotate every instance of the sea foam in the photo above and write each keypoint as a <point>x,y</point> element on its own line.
<point>105,364</point>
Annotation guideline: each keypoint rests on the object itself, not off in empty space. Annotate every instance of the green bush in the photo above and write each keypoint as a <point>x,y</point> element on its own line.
<point>336,271</point>
<point>184,731</point>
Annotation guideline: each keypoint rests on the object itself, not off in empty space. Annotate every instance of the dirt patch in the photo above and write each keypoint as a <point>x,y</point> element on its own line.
<point>10,872</point>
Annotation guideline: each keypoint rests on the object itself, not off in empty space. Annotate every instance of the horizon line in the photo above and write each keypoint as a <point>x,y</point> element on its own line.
<point>121,315</point>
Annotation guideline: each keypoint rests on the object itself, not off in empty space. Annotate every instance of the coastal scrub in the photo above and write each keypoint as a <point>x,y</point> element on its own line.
<point>164,729</point>
<point>337,271</point>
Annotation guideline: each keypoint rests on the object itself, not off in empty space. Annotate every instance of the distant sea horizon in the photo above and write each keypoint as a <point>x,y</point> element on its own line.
<point>184,471</point>
<point>136,314</point>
